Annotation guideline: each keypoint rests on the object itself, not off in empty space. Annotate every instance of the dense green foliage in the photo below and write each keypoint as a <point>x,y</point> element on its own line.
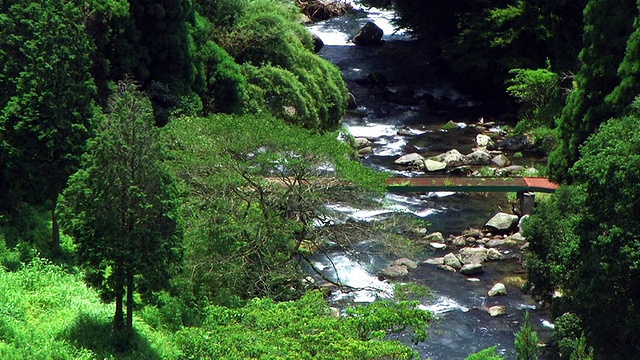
<point>121,206</point>
<point>251,184</point>
<point>585,243</point>
<point>600,58</point>
<point>251,199</point>
<point>46,101</point>
<point>300,330</point>
<point>526,341</point>
<point>486,354</point>
<point>48,313</point>
<point>483,40</point>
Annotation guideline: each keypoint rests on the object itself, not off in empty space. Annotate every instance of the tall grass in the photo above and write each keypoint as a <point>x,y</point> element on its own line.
<point>46,313</point>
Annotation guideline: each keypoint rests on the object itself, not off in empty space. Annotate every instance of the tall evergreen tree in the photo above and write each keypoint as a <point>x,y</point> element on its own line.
<point>608,25</point>
<point>45,101</point>
<point>121,207</point>
<point>629,71</point>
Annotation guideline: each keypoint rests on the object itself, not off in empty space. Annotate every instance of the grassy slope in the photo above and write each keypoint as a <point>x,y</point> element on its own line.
<point>46,313</point>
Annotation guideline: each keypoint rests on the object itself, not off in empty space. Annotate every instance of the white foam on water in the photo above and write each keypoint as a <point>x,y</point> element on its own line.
<point>547,324</point>
<point>358,214</point>
<point>392,148</point>
<point>371,130</point>
<point>443,305</point>
<point>353,274</point>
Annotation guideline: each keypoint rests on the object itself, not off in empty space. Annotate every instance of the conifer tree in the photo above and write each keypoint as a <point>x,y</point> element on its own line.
<point>46,100</point>
<point>608,25</point>
<point>121,207</point>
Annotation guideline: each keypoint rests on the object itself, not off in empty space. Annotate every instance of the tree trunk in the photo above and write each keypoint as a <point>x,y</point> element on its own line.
<point>130,289</point>
<point>118,318</point>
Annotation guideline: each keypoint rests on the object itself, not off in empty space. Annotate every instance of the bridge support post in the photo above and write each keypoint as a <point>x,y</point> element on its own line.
<point>527,202</point>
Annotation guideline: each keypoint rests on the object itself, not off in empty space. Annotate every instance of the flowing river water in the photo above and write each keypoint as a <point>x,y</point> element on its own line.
<point>462,326</point>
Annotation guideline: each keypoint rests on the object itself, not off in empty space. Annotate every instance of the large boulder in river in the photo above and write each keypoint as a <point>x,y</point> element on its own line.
<point>471,269</point>
<point>451,260</point>
<point>515,143</point>
<point>484,141</point>
<point>452,158</point>
<point>395,271</point>
<point>479,157</point>
<point>370,34</point>
<point>432,165</point>
<point>497,310</point>
<point>501,223</point>
<point>410,264</point>
<point>413,159</point>
<point>501,160</point>
<point>498,289</point>
<point>471,255</point>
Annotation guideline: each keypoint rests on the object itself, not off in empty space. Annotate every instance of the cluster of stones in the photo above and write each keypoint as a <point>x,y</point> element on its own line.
<point>469,251</point>
<point>486,153</point>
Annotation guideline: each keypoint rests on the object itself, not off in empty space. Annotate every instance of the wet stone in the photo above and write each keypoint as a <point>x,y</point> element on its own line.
<point>498,310</point>
<point>497,289</point>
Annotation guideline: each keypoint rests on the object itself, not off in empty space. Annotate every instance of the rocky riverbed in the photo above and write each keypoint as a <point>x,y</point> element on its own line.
<point>410,120</point>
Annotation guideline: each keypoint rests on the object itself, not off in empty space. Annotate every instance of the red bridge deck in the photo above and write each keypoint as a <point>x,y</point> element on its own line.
<point>471,184</point>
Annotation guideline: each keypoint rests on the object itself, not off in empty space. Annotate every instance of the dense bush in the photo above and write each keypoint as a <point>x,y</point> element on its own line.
<point>253,186</point>
<point>223,85</point>
<point>302,330</point>
<point>585,243</point>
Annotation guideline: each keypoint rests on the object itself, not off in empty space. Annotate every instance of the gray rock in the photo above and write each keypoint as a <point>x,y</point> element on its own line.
<point>370,34</point>
<point>501,161</point>
<point>435,237</point>
<point>501,223</point>
<point>515,143</point>
<point>473,255</point>
<point>452,158</point>
<point>498,289</point>
<point>437,245</point>
<point>512,169</point>
<point>479,157</point>
<point>452,261</point>
<point>459,241</point>
<point>498,310</point>
<point>446,268</point>
<point>432,165</point>
<point>472,269</point>
<point>362,142</point>
<point>335,312</point>
<point>493,254</point>
<point>476,233</point>
<point>410,264</point>
<point>413,159</point>
<point>494,243</point>
<point>484,141</point>
<point>395,271</point>
<point>365,150</point>
<point>434,261</point>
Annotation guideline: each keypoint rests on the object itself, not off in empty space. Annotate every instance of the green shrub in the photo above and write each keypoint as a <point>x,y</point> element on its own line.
<point>302,330</point>
<point>486,354</point>
<point>284,95</point>
<point>223,85</point>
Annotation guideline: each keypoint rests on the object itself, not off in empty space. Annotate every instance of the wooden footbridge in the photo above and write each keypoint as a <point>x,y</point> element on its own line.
<point>524,186</point>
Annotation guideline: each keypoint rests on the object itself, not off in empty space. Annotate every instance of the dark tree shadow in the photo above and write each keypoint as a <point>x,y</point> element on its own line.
<point>91,332</point>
